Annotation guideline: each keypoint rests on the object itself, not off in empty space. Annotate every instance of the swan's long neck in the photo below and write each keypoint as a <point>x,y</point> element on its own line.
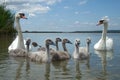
<point>57,48</point>
<point>76,48</point>
<point>64,47</point>
<point>47,51</point>
<point>104,32</point>
<point>20,36</point>
<point>87,47</point>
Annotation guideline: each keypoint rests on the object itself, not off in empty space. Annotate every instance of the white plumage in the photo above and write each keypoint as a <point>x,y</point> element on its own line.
<point>17,47</point>
<point>81,52</point>
<point>105,43</point>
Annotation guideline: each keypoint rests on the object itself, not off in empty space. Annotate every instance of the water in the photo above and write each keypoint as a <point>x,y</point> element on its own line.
<point>102,65</point>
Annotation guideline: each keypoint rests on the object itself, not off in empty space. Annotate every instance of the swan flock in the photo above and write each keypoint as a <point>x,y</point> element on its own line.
<point>21,47</point>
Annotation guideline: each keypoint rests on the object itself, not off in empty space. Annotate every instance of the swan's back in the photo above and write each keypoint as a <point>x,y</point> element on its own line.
<point>13,44</point>
<point>101,46</point>
<point>61,55</point>
<point>83,49</point>
<point>13,49</point>
<point>18,52</point>
<point>109,43</point>
<point>83,53</point>
<point>42,55</point>
<point>39,56</point>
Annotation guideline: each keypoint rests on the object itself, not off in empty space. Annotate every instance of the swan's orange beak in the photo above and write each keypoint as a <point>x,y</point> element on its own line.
<point>24,17</point>
<point>100,22</point>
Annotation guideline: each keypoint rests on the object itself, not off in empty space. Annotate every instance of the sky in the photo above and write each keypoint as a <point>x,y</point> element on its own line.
<point>65,15</point>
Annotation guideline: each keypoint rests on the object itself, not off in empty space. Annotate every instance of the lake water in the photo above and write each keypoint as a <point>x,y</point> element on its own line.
<point>101,66</point>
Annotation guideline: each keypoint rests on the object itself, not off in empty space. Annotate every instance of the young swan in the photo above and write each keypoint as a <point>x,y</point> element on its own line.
<point>56,41</point>
<point>81,52</point>
<point>76,54</point>
<point>51,49</point>
<point>42,56</point>
<point>61,55</point>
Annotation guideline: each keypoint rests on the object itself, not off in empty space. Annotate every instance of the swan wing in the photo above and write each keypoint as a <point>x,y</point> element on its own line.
<point>13,44</point>
<point>109,43</point>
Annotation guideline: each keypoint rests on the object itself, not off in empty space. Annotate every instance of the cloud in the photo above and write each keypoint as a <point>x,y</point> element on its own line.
<point>76,12</point>
<point>82,2</point>
<point>51,2</point>
<point>31,14</point>
<point>78,23</point>
<point>31,7</point>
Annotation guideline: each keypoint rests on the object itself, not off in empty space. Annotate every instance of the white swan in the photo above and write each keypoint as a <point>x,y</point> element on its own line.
<point>81,52</point>
<point>42,56</point>
<point>17,48</point>
<point>61,55</point>
<point>104,43</point>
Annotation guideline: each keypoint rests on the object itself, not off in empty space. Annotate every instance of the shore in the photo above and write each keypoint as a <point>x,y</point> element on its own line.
<point>109,31</point>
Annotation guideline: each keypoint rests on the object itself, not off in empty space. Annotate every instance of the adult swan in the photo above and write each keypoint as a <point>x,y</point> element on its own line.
<point>104,43</point>
<point>17,48</point>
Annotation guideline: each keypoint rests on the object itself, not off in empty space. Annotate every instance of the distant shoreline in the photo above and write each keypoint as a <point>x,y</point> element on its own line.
<point>109,31</point>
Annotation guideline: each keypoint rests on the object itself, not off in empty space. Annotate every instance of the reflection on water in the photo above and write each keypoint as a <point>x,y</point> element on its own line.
<point>27,67</point>
<point>21,63</point>
<point>18,70</point>
<point>61,70</point>
<point>78,64</point>
<point>108,54</point>
<point>78,72</point>
<point>104,55</point>
<point>47,71</point>
<point>60,65</point>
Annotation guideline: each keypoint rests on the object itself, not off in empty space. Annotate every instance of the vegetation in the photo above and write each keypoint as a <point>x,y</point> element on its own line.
<point>6,20</point>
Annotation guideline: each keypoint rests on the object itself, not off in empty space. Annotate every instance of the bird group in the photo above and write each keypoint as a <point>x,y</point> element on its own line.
<point>21,47</point>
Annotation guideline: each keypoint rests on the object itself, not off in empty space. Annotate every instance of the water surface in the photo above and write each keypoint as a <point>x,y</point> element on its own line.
<point>101,66</point>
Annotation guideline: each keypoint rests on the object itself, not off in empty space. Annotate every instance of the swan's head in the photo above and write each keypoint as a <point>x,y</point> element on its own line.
<point>103,20</point>
<point>34,44</point>
<point>49,42</point>
<point>28,41</point>
<point>77,42</point>
<point>58,39</point>
<point>88,40</point>
<point>66,41</point>
<point>20,15</point>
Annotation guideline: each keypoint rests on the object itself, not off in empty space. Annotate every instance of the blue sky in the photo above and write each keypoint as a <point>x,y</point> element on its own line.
<point>66,15</point>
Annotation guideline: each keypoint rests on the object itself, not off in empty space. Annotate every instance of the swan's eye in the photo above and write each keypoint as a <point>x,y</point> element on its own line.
<point>22,14</point>
<point>66,40</point>
<point>101,21</point>
<point>49,40</point>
